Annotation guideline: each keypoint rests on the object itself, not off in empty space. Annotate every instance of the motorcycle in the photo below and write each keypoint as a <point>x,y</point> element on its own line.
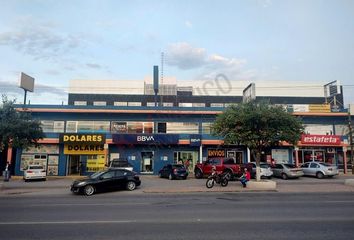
<point>215,178</point>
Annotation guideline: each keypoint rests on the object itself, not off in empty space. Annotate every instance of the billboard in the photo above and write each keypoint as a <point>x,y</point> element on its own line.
<point>26,82</point>
<point>249,93</point>
<point>331,89</point>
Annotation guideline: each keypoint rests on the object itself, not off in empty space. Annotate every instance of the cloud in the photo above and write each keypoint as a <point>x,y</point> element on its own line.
<point>41,41</point>
<point>188,24</point>
<point>93,65</point>
<point>186,57</point>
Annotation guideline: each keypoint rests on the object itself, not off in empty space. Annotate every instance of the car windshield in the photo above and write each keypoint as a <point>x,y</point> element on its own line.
<point>178,166</point>
<point>96,174</point>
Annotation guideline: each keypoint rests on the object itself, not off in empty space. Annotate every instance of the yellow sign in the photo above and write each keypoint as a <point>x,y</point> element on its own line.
<point>96,163</point>
<point>84,149</point>
<point>320,108</point>
<point>82,138</point>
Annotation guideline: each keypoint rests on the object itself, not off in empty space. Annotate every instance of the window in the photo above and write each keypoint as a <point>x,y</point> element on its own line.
<point>185,104</point>
<point>71,126</point>
<point>121,104</point>
<point>161,127</point>
<point>167,104</point>
<point>318,129</point>
<point>132,127</point>
<point>182,127</point>
<point>134,104</point>
<point>198,104</point>
<point>87,126</point>
<point>206,128</point>
<point>99,103</point>
<point>80,103</point>
<point>52,126</point>
<point>151,104</point>
<point>216,105</point>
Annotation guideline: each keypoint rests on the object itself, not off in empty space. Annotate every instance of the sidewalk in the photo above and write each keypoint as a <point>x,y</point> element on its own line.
<point>153,184</point>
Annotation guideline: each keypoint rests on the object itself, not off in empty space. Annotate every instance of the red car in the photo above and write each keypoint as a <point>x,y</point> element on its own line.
<point>222,165</point>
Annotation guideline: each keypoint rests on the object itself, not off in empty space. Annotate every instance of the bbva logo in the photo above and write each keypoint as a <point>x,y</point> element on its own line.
<point>145,138</point>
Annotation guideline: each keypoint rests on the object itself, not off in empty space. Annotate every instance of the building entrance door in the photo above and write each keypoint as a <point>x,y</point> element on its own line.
<point>147,165</point>
<point>73,164</point>
<point>187,158</point>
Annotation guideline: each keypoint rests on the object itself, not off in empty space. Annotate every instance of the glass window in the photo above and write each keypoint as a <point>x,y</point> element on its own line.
<point>101,126</point>
<point>185,104</point>
<point>80,103</point>
<point>134,103</point>
<point>119,127</point>
<point>216,105</point>
<point>120,104</point>
<point>151,104</point>
<point>85,126</point>
<point>167,104</point>
<point>206,128</point>
<point>161,127</point>
<point>182,127</point>
<point>198,104</point>
<point>71,126</point>
<point>99,103</point>
<point>135,127</point>
<point>318,129</point>
<point>52,126</point>
<point>148,127</point>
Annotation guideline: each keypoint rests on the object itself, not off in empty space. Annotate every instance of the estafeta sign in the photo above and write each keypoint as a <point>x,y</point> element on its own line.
<point>321,140</point>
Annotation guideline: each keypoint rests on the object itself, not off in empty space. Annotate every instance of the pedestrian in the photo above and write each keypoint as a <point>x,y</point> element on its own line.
<point>246,176</point>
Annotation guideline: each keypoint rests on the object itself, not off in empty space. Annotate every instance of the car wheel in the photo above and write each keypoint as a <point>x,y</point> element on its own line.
<point>131,185</point>
<point>319,175</point>
<point>89,190</point>
<point>284,176</point>
<point>198,173</point>
<point>170,177</point>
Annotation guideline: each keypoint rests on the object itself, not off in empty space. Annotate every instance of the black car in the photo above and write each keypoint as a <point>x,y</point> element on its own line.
<point>173,171</point>
<point>112,179</point>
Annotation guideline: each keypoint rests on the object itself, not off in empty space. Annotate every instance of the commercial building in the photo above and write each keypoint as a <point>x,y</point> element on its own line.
<point>151,131</point>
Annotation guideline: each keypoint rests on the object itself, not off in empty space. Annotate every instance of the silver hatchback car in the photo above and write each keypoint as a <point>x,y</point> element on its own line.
<point>286,170</point>
<point>319,169</point>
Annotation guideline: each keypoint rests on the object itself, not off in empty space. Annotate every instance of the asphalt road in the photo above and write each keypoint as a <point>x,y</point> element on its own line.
<point>127,215</point>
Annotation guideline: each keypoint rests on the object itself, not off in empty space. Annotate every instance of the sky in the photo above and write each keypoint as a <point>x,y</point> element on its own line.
<point>254,40</point>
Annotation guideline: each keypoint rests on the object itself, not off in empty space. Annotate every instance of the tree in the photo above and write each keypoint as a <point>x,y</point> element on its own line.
<point>17,129</point>
<point>257,126</point>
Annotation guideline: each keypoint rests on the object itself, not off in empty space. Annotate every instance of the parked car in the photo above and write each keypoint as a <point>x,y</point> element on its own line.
<point>120,163</point>
<point>319,169</point>
<point>285,171</point>
<point>173,171</point>
<point>265,170</point>
<point>111,179</point>
<point>34,172</point>
<point>222,165</point>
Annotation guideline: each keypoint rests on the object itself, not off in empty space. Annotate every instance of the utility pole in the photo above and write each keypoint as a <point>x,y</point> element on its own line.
<point>351,140</point>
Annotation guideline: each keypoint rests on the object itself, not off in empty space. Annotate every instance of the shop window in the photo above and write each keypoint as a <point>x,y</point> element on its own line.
<point>182,127</point>
<point>185,104</point>
<point>101,126</point>
<point>216,105</point>
<point>167,104</point>
<point>134,104</point>
<point>71,126</point>
<point>135,127</point>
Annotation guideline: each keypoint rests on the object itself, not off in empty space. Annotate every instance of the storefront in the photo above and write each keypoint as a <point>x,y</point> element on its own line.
<point>148,153</point>
<point>84,153</point>
<point>324,148</point>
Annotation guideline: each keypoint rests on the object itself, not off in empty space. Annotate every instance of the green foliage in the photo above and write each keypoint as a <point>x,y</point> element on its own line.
<point>17,128</point>
<point>257,125</point>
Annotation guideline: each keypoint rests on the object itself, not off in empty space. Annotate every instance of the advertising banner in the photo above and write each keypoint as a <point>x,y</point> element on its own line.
<point>321,140</point>
<point>320,108</point>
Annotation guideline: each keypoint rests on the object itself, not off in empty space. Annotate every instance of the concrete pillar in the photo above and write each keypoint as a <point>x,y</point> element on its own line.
<point>345,161</point>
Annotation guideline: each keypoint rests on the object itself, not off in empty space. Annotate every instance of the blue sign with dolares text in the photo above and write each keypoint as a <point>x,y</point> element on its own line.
<point>145,139</point>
